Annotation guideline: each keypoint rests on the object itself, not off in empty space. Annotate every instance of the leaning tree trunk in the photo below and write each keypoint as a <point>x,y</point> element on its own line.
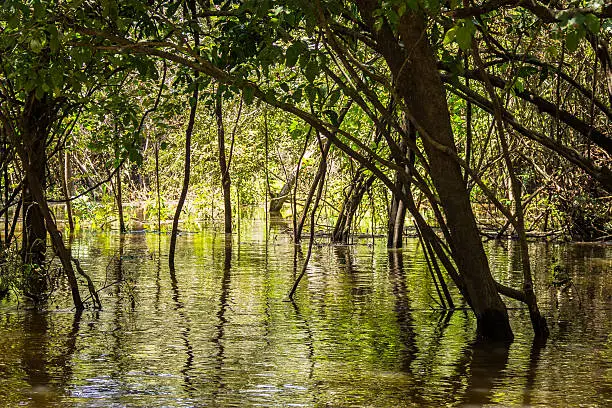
<point>357,189</point>
<point>415,74</point>
<point>397,212</point>
<point>225,176</point>
<point>30,146</point>
<point>276,203</point>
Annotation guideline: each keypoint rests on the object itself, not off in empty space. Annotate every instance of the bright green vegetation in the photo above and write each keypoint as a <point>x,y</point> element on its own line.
<point>449,121</point>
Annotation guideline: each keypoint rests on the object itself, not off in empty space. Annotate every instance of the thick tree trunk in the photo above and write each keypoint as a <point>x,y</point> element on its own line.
<point>415,74</point>
<point>225,176</point>
<point>34,130</point>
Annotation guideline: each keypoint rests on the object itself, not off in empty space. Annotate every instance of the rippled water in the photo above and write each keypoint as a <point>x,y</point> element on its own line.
<point>364,330</point>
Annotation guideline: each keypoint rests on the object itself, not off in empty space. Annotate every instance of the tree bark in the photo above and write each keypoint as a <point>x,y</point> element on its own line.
<point>415,74</point>
<point>34,128</point>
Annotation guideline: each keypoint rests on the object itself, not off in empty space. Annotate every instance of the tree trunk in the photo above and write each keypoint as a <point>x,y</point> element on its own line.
<point>319,178</point>
<point>67,186</point>
<point>276,203</point>
<point>415,74</point>
<point>358,187</point>
<point>225,176</point>
<point>119,196</point>
<point>397,211</point>
<point>186,175</point>
<point>34,130</point>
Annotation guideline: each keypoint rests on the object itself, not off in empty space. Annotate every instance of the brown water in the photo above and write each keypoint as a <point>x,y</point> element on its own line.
<point>363,331</point>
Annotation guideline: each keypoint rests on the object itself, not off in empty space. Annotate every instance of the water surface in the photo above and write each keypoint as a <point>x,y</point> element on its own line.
<point>364,330</point>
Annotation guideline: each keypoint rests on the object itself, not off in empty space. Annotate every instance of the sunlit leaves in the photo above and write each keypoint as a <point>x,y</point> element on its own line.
<point>461,33</point>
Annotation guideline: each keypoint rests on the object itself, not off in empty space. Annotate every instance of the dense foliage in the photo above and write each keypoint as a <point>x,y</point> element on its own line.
<point>477,118</point>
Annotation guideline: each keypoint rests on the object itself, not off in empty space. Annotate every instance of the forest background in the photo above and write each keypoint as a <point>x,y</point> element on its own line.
<point>450,120</point>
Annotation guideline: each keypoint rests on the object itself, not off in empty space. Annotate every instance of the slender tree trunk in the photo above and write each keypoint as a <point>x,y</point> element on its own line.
<point>119,197</point>
<point>359,186</point>
<point>417,79</point>
<point>67,187</point>
<point>319,178</point>
<point>397,213</point>
<point>538,322</point>
<point>186,175</point>
<point>321,183</point>
<point>225,175</point>
<point>157,186</point>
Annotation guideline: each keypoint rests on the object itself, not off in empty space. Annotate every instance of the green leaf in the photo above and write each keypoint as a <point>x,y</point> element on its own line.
<point>284,87</point>
<point>311,70</point>
<point>591,22</point>
<point>450,35</point>
<point>572,39</point>
<point>464,35</point>
<point>333,117</point>
<point>526,71</point>
<point>293,53</point>
<point>519,86</point>
<point>35,45</point>
<point>311,93</point>
<point>333,98</point>
<point>248,94</point>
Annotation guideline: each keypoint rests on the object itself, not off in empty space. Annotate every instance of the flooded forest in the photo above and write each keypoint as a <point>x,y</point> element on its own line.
<point>321,203</point>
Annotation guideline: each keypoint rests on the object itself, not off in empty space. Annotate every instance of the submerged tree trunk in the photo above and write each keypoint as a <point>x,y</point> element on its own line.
<point>417,80</point>
<point>186,174</point>
<point>225,176</point>
<point>67,187</point>
<point>34,130</point>
<point>119,197</point>
<point>397,211</point>
<point>357,189</point>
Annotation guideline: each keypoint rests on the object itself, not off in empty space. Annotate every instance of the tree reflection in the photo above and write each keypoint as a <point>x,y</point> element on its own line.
<point>486,369</point>
<point>402,309</point>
